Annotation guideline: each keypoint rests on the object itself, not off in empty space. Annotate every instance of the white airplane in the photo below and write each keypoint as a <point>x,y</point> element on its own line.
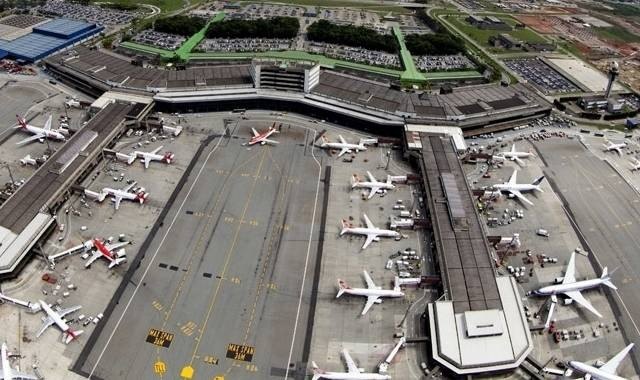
<point>38,133</point>
<point>72,103</point>
<point>28,160</point>
<point>118,194</point>
<point>635,164</point>
<point>147,157</point>
<point>609,146</point>
<point>353,372</point>
<point>108,252</point>
<point>606,371</point>
<point>57,318</point>
<point>516,189</point>
<point>172,130</point>
<point>513,155</point>
<point>111,252</point>
<point>373,293</point>
<point>7,372</point>
<point>343,145</point>
<point>572,288</point>
<point>373,185</point>
<point>263,138</point>
<point>372,232</point>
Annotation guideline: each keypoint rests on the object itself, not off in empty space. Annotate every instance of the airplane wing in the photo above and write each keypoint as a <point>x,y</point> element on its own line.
<point>342,140</point>
<point>267,141</point>
<point>155,151</point>
<point>513,148</point>
<point>614,363</point>
<point>20,375</point>
<point>369,281</point>
<point>618,150</point>
<point>368,222</point>
<point>343,151</point>
<point>370,238</point>
<point>70,310</point>
<point>570,274</point>
<point>370,301</point>
<point>147,161</point>
<point>374,190</point>
<point>47,125</point>
<point>579,298</point>
<point>351,365</point>
<point>371,177</point>
<point>117,199</point>
<point>95,256</point>
<point>128,187</point>
<point>113,247</point>
<point>552,307</point>
<point>514,176</point>
<point>30,139</point>
<point>48,322</point>
<point>520,196</point>
<point>255,133</point>
<point>519,161</point>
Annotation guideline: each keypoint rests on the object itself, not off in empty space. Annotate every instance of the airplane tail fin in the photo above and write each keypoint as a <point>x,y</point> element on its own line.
<point>142,196</point>
<point>70,335</point>
<point>317,372</point>
<point>22,123</point>
<point>607,279</point>
<point>538,181</point>
<point>342,286</point>
<point>345,225</point>
<point>168,157</point>
<point>354,180</point>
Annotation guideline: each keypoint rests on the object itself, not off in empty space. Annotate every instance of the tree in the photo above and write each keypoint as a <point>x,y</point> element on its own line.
<point>356,36</point>
<point>180,25</point>
<point>277,27</point>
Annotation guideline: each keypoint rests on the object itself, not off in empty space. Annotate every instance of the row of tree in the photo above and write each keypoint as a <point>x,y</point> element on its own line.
<point>181,25</point>
<point>434,44</point>
<point>356,36</point>
<point>277,27</point>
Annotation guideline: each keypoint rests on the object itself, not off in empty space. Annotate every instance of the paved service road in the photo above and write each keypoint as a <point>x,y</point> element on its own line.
<point>607,212</point>
<point>227,277</point>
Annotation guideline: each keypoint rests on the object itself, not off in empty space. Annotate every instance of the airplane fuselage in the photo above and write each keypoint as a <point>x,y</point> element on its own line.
<point>595,373</point>
<point>353,376</point>
<point>574,286</point>
<point>40,131</point>
<point>120,193</point>
<point>7,373</point>
<point>514,155</point>
<point>521,187</point>
<point>337,145</point>
<point>369,185</point>
<point>389,293</point>
<point>371,231</point>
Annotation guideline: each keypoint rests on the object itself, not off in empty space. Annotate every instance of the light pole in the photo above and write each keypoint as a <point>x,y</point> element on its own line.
<point>388,160</point>
<point>10,174</point>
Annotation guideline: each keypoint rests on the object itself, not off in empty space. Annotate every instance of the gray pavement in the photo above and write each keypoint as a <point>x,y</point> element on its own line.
<point>225,268</point>
<point>607,212</point>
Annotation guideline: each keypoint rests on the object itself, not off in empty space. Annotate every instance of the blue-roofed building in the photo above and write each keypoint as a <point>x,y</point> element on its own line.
<point>48,38</point>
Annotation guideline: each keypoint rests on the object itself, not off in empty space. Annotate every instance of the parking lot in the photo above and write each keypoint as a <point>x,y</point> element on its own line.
<point>89,13</point>
<point>354,54</point>
<point>159,39</point>
<point>442,62</point>
<point>244,44</point>
<point>542,75</point>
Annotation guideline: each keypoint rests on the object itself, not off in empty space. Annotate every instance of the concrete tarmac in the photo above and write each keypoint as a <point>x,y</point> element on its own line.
<point>223,276</point>
<point>607,212</point>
